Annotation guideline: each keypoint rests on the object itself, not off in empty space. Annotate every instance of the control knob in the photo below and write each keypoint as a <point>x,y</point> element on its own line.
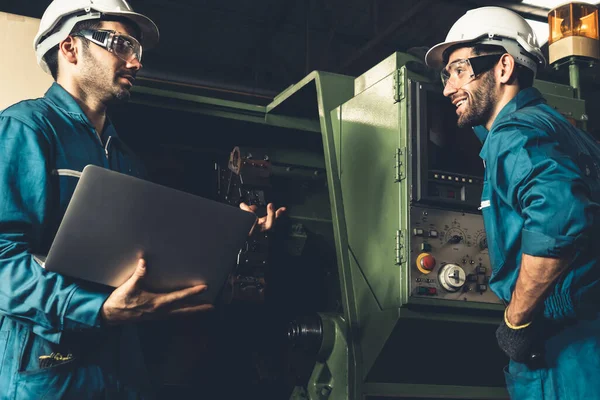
<point>483,244</point>
<point>455,236</point>
<point>452,277</point>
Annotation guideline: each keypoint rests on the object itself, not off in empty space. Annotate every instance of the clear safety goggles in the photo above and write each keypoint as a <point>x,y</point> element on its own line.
<point>126,47</point>
<point>461,72</point>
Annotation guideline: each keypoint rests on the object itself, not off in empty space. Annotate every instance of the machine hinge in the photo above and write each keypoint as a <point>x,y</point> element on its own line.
<point>400,246</point>
<point>400,164</point>
<point>399,85</point>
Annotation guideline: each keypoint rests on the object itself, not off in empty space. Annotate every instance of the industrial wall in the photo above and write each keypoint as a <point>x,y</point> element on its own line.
<point>20,76</point>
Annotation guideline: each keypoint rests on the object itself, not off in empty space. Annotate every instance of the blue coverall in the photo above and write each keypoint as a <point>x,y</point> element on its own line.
<point>541,197</point>
<point>44,144</point>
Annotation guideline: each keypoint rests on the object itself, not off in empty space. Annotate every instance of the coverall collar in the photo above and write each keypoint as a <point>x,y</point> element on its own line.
<point>65,102</point>
<point>524,98</point>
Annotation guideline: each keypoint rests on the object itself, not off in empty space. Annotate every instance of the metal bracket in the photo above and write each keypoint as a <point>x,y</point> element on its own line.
<point>329,379</point>
<point>400,165</point>
<point>399,85</point>
<point>400,246</point>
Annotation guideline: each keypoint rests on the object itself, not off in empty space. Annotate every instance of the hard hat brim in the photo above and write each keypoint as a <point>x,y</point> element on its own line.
<point>435,56</point>
<point>149,30</point>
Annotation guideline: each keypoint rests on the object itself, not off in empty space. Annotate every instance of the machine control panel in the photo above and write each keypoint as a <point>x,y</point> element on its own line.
<point>449,256</point>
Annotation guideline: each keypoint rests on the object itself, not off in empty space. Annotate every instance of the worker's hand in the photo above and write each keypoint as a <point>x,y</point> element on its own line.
<point>267,222</point>
<point>130,302</point>
<point>520,343</point>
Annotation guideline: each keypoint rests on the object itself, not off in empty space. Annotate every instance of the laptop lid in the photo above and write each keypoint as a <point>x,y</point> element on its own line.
<point>114,219</point>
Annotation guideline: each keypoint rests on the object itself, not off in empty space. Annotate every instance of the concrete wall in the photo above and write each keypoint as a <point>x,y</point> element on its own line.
<point>20,76</point>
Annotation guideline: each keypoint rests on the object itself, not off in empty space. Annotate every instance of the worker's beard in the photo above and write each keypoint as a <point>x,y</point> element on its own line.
<point>121,95</point>
<point>103,83</point>
<point>481,103</point>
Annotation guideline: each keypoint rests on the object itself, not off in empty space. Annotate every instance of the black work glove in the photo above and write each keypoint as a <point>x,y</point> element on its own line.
<point>523,345</point>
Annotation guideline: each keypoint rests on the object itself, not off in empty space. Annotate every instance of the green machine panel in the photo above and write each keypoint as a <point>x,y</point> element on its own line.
<point>368,147</point>
<point>413,333</point>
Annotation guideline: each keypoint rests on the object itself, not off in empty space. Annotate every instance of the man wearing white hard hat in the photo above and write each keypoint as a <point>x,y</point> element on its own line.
<point>60,338</point>
<point>540,205</point>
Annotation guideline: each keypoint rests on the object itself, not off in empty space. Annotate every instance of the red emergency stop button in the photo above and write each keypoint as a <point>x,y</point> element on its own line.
<point>425,263</point>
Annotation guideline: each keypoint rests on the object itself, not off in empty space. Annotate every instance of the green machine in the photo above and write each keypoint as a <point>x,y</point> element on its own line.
<point>411,314</point>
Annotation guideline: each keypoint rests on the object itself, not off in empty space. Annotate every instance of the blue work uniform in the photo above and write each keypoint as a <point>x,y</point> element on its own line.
<point>44,145</point>
<point>541,197</point>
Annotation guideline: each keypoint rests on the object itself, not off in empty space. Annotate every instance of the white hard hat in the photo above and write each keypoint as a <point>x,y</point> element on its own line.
<point>494,26</point>
<point>64,14</point>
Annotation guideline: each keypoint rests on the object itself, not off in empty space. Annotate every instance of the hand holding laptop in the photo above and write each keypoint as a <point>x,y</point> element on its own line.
<point>131,302</point>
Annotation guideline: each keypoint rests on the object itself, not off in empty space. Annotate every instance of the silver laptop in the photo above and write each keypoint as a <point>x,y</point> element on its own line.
<point>114,219</point>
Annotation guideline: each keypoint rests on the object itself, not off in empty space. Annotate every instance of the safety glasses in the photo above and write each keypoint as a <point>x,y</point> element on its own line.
<point>461,72</point>
<point>126,47</point>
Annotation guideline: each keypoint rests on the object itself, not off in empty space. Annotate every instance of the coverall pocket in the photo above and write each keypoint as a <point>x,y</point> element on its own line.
<point>59,382</point>
<point>35,348</point>
<point>35,380</point>
<point>524,385</point>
